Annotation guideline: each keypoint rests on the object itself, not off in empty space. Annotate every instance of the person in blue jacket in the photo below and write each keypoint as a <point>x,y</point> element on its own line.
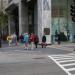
<point>26,41</point>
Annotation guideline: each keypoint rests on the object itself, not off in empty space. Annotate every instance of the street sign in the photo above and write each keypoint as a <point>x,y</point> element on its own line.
<point>47,31</point>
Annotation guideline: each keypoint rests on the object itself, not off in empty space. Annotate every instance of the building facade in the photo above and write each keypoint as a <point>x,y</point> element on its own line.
<point>3,26</point>
<point>41,16</point>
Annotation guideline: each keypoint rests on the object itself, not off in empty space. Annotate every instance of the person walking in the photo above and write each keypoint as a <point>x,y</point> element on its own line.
<point>43,41</point>
<point>59,39</point>
<point>21,38</point>
<point>32,39</point>
<point>26,41</point>
<point>15,39</point>
<point>9,39</point>
<point>36,40</point>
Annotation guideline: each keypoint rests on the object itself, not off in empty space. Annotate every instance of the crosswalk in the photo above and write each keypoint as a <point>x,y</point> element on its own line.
<point>65,61</point>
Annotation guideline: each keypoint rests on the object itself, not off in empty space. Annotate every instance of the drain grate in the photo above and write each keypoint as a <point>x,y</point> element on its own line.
<point>39,58</point>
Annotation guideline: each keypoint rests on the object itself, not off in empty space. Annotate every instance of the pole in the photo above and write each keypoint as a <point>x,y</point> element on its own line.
<point>59,20</point>
<point>1,3</point>
<point>67,22</point>
<point>0,39</point>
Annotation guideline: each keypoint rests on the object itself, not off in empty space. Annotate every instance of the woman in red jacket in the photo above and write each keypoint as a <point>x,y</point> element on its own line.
<point>32,39</point>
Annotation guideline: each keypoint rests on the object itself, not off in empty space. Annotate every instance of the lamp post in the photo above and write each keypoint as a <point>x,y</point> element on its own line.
<point>67,22</point>
<point>0,40</point>
<point>1,11</point>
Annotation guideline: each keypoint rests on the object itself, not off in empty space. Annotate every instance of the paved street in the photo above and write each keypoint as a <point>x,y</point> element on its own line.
<point>17,61</point>
<point>28,63</point>
<point>66,62</point>
<point>35,67</point>
<point>44,22</point>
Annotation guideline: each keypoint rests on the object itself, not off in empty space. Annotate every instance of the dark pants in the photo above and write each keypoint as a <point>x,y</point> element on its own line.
<point>36,43</point>
<point>43,44</point>
<point>59,42</point>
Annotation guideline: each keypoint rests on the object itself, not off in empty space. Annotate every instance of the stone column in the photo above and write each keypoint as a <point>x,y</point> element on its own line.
<point>24,17</point>
<point>20,20</point>
<point>39,9</point>
<point>44,18</point>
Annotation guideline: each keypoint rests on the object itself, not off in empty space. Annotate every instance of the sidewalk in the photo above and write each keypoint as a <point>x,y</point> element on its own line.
<point>64,46</point>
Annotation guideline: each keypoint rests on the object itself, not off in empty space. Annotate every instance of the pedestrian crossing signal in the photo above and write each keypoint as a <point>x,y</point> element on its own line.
<point>73,12</point>
<point>73,18</point>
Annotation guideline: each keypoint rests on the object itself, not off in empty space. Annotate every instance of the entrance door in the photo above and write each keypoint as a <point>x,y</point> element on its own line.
<point>16,21</point>
<point>31,16</point>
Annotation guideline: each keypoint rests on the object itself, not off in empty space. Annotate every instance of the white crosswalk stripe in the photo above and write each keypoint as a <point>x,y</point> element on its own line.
<point>65,61</point>
<point>68,64</point>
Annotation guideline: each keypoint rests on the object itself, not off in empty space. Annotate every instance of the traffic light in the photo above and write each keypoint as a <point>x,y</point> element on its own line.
<point>73,18</point>
<point>73,12</point>
<point>74,1</point>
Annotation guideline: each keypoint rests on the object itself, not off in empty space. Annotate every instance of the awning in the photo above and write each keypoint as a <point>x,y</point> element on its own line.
<point>11,7</point>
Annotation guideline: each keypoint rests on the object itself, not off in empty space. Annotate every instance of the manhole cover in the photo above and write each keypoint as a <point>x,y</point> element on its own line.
<point>39,58</point>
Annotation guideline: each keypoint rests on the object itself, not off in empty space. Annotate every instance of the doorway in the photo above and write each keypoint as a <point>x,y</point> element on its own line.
<point>16,21</point>
<point>31,5</point>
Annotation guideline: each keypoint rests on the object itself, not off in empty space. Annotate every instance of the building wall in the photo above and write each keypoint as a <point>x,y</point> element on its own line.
<point>5,3</point>
<point>23,18</point>
<point>53,14</point>
<point>15,1</point>
<point>61,18</point>
<point>39,3</point>
<point>44,18</point>
<point>0,2</point>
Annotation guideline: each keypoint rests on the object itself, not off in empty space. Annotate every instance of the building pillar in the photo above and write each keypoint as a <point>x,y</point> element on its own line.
<point>24,17</point>
<point>44,18</point>
<point>39,9</point>
<point>20,18</point>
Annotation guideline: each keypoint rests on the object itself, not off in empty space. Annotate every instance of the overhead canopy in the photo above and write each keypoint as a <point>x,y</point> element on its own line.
<point>11,7</point>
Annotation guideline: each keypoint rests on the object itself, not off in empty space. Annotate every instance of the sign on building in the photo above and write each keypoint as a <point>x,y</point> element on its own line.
<point>46,5</point>
<point>47,31</point>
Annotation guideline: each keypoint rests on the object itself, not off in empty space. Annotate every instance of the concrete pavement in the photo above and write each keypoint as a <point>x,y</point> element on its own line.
<point>16,61</point>
<point>27,63</point>
<point>63,46</point>
<point>68,46</point>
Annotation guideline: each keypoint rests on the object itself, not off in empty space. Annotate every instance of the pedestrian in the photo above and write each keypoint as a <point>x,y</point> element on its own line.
<point>9,39</point>
<point>32,38</point>
<point>21,38</point>
<point>43,41</point>
<point>29,41</point>
<point>59,39</point>
<point>15,39</point>
<point>26,41</point>
<point>56,36</point>
<point>36,40</point>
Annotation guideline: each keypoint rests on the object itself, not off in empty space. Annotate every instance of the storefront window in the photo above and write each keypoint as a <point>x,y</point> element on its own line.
<point>60,17</point>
